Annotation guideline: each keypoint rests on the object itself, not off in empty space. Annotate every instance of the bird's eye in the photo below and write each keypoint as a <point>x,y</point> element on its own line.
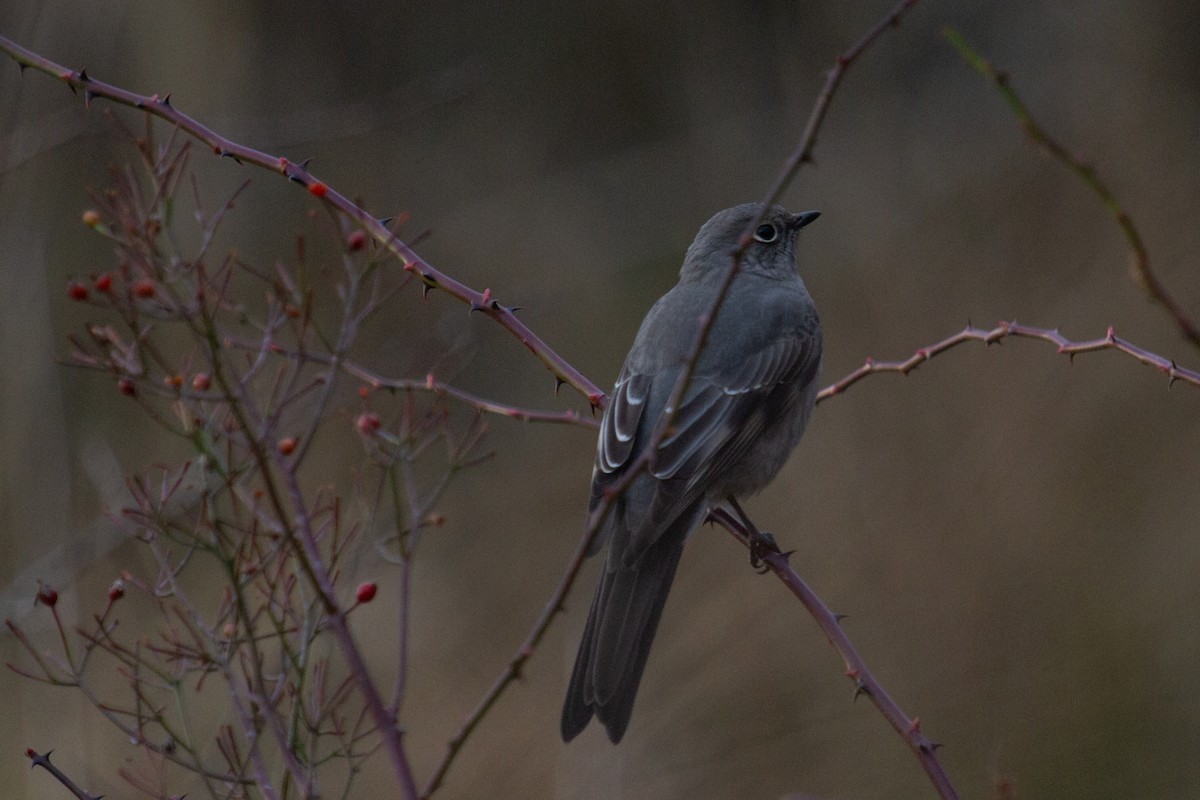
<point>766,233</point>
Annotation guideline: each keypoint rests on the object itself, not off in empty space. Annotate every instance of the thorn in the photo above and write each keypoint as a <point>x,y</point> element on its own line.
<point>512,309</point>
<point>861,689</point>
<point>385,221</point>
<point>304,164</point>
<point>840,617</point>
<point>425,289</point>
<point>558,384</point>
<point>83,76</point>
<point>21,67</point>
<point>474,307</point>
<point>915,725</point>
<point>87,99</point>
<point>787,555</point>
<point>594,398</point>
<point>166,101</point>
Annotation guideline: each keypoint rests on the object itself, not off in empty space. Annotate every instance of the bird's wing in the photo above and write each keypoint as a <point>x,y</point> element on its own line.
<point>723,414</point>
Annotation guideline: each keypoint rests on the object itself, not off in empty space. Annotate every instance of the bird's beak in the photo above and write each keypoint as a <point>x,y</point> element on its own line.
<point>803,218</point>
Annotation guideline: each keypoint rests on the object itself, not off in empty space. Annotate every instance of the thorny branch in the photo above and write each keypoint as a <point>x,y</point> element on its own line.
<point>1139,263</point>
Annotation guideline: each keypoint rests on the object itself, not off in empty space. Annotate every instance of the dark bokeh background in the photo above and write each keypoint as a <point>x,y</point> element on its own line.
<point>1014,537</point>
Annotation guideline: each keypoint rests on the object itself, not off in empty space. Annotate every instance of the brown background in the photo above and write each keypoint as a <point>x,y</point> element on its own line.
<point>1015,537</point>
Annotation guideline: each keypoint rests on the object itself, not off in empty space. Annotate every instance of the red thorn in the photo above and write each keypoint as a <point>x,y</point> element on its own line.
<point>852,674</point>
<point>487,295</point>
<point>430,381</point>
<point>915,725</point>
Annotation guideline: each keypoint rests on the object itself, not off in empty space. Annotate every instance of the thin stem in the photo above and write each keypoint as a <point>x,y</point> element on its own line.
<point>1139,263</point>
<point>1110,341</point>
<point>705,321</point>
<point>857,671</point>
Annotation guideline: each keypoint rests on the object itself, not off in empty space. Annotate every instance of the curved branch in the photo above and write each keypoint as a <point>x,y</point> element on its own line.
<point>1139,264</point>
<point>483,302</point>
<point>1110,341</point>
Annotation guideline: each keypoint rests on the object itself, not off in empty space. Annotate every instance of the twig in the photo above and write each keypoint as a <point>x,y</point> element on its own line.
<point>857,671</point>
<point>801,155</point>
<point>432,384</point>
<point>1110,341</point>
<point>1139,263</point>
<point>161,107</point>
<point>43,760</point>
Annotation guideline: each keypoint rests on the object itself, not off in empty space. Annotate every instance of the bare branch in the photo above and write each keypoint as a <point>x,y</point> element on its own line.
<point>763,548</point>
<point>1110,341</point>
<point>1139,264</point>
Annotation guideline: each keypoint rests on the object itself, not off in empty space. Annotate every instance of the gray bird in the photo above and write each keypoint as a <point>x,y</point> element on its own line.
<point>746,407</point>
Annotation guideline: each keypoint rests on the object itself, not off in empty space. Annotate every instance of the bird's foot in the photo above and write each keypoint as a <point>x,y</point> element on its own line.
<point>762,545</point>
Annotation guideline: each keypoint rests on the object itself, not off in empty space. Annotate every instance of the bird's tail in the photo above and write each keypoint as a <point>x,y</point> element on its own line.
<point>616,641</point>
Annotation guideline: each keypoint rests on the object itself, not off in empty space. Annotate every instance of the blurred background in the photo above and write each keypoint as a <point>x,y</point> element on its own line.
<point>1014,537</point>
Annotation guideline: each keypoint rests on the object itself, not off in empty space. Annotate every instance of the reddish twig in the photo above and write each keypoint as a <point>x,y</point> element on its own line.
<point>161,107</point>
<point>808,140</point>
<point>432,384</point>
<point>1110,341</point>
<point>801,155</point>
<point>1139,263</point>
<point>865,682</point>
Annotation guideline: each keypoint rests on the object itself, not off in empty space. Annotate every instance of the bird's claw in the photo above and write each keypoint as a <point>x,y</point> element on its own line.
<point>761,546</point>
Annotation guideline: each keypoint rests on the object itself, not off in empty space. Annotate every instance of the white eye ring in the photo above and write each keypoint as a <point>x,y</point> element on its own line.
<point>766,233</point>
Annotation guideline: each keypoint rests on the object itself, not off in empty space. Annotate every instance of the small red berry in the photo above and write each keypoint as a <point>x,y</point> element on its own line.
<point>368,422</point>
<point>317,189</point>
<point>356,240</point>
<point>173,381</point>
<point>286,446</point>
<point>144,288</point>
<point>91,218</point>
<point>77,291</point>
<point>201,382</point>
<point>126,387</point>
<point>364,392</point>
<point>47,595</point>
<point>366,592</point>
<point>104,282</point>
<point>291,311</point>
<point>116,591</point>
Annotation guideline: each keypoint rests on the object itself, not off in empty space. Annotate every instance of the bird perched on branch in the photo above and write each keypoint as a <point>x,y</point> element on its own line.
<point>746,405</point>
